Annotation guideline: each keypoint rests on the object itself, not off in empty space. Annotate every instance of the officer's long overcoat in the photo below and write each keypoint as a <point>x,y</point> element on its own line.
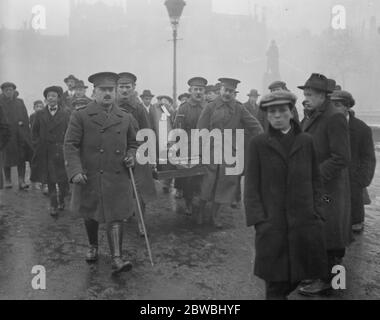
<point>96,143</point>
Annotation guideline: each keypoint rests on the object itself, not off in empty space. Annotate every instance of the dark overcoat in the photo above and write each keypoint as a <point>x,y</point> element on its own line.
<point>19,148</point>
<point>143,173</point>
<point>4,130</point>
<point>67,101</point>
<point>4,138</point>
<point>282,197</point>
<point>48,133</point>
<point>216,185</point>
<point>96,143</point>
<point>329,129</point>
<point>362,166</point>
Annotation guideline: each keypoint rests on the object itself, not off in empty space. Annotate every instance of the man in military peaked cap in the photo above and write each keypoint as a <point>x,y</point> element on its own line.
<point>128,100</point>
<point>100,145</point>
<point>186,119</point>
<point>225,112</point>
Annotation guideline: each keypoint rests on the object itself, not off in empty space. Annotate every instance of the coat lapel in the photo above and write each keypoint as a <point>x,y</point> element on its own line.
<point>114,117</point>
<point>276,146</point>
<point>308,123</point>
<point>296,147</point>
<point>56,120</point>
<point>96,113</point>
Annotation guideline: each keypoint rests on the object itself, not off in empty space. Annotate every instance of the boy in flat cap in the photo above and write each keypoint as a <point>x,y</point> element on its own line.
<point>329,129</point>
<point>48,133</point>
<point>282,200</point>
<point>223,113</point>
<point>100,144</point>
<point>187,118</point>
<point>19,148</point>
<point>363,158</point>
<point>280,86</point>
<point>128,101</point>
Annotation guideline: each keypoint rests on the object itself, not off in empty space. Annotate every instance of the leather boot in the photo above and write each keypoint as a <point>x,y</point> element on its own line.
<point>92,227</point>
<point>115,240</point>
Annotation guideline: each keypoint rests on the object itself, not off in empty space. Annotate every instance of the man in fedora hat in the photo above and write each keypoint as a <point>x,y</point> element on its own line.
<point>146,98</point>
<point>100,146</point>
<point>225,112</point>
<point>19,148</point>
<point>330,133</point>
<point>363,158</point>
<point>187,119</point>
<point>68,95</point>
<point>252,106</point>
<point>48,132</point>
<point>128,101</point>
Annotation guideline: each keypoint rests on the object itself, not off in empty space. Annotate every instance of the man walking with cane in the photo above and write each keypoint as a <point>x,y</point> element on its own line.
<point>100,146</point>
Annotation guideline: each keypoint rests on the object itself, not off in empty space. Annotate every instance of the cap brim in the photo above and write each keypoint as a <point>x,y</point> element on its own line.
<point>315,88</point>
<point>276,103</point>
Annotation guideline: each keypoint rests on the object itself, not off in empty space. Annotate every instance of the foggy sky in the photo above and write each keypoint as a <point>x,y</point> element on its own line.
<point>288,14</point>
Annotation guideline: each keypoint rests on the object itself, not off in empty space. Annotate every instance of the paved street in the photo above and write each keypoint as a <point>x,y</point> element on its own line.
<point>191,262</point>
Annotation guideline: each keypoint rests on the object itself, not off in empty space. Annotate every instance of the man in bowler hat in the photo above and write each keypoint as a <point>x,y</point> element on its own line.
<point>48,132</point>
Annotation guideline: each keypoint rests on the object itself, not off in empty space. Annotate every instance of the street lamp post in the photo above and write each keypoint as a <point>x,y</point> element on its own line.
<point>175,9</point>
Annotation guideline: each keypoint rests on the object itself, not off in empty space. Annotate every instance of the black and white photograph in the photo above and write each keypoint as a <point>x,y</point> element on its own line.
<point>205,153</point>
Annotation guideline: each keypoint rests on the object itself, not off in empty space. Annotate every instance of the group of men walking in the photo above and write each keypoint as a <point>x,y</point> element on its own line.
<point>304,181</point>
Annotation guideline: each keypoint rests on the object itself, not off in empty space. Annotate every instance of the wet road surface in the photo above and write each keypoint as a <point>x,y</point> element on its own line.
<point>191,262</point>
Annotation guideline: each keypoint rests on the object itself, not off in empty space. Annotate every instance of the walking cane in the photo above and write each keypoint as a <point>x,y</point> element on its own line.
<point>141,215</point>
